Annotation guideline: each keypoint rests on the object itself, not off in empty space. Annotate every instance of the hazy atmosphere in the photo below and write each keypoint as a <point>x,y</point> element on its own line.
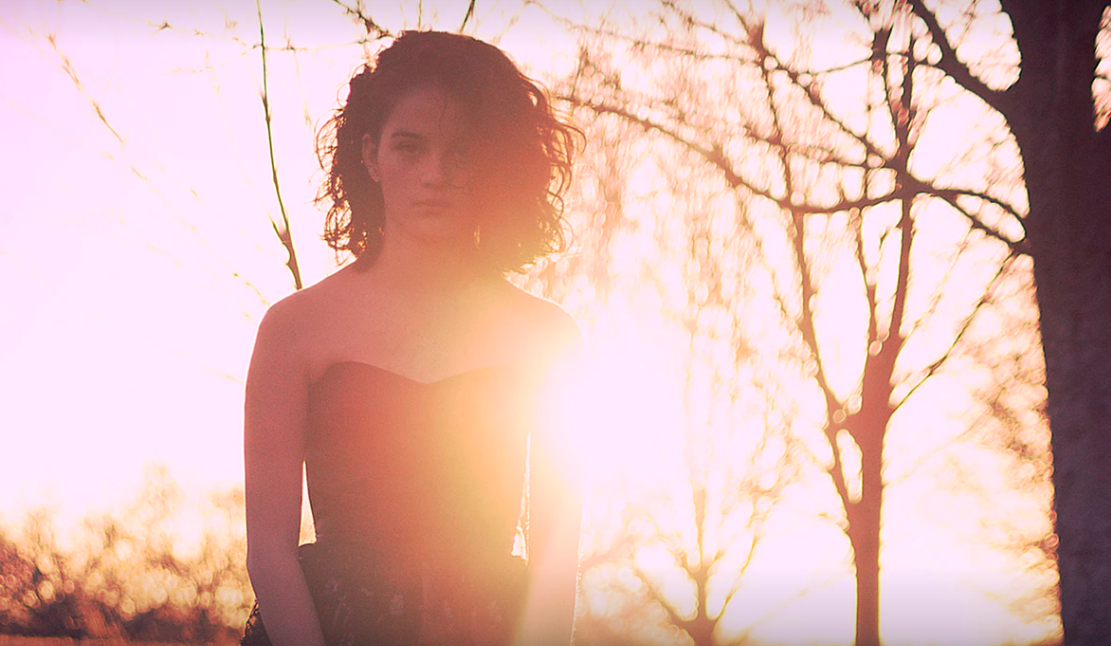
<point>799,264</point>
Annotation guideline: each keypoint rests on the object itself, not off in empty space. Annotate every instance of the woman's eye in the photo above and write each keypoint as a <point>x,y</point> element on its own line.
<point>408,148</point>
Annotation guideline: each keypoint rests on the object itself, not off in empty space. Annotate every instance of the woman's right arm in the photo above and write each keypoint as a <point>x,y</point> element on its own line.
<point>275,419</point>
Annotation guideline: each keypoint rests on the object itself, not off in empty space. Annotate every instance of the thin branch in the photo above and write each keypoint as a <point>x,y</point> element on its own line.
<point>467,17</point>
<point>902,280</point>
<point>656,595</point>
<point>798,231</point>
<point>282,231</point>
<point>957,192</point>
<point>807,292</point>
<point>817,102</point>
<point>757,535</point>
<point>638,43</point>
<point>1017,246</point>
<point>66,66</point>
<point>372,28</point>
<point>836,472</point>
<point>809,335</point>
<point>71,72</point>
<point>902,113</point>
<point>754,34</point>
<point>940,290</point>
<point>716,157</point>
<point>869,288</point>
<point>933,367</point>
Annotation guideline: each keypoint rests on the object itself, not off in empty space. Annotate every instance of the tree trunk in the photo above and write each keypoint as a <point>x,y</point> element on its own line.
<point>868,428</point>
<point>1068,178</point>
<point>864,534</point>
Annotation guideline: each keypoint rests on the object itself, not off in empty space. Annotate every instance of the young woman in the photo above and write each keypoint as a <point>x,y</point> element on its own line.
<point>411,385</point>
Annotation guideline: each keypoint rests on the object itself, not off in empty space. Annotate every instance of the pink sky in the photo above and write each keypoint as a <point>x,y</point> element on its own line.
<point>131,256</point>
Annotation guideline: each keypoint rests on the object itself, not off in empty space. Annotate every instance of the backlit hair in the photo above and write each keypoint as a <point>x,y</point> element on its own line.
<point>520,156</point>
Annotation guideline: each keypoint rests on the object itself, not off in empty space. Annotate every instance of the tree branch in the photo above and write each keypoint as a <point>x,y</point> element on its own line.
<point>950,197</point>
<point>655,595</point>
<point>952,65</point>
<point>372,28</point>
<point>467,16</point>
<point>282,231</point>
<point>716,157</point>
<point>933,367</point>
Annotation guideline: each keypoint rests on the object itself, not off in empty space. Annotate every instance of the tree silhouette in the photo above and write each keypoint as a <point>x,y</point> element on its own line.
<point>1066,154</point>
<point>879,260</point>
<point>783,174</point>
<point>695,518</point>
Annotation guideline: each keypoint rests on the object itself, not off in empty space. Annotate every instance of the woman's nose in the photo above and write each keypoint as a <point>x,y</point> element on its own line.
<point>444,170</point>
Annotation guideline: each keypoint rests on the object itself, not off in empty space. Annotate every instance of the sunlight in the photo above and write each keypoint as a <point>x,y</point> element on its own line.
<point>142,259</point>
<point>631,408</point>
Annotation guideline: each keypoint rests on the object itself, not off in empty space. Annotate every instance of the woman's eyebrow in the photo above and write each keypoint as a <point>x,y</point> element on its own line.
<point>405,134</point>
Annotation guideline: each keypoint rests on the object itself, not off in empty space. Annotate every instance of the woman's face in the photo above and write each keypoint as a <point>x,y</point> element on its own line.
<point>420,162</point>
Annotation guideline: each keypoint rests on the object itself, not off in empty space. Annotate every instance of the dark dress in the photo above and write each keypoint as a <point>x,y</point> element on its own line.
<point>416,493</point>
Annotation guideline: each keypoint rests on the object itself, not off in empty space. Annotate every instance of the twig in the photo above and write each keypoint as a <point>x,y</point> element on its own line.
<point>368,23</point>
<point>282,231</point>
<point>467,16</point>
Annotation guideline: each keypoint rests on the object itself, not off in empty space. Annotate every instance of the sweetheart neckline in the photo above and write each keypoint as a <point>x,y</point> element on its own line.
<point>405,378</point>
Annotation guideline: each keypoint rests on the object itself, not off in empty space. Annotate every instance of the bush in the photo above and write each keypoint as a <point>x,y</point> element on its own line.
<point>129,575</point>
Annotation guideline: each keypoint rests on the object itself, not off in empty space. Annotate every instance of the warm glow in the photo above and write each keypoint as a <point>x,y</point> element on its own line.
<point>139,259</point>
<point>631,409</point>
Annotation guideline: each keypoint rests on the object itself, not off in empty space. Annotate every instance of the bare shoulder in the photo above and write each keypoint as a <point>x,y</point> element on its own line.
<point>288,331</point>
<point>548,326</point>
<point>287,314</point>
<point>290,315</point>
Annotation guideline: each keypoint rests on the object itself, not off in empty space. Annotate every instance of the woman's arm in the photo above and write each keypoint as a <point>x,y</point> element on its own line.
<point>273,450</point>
<point>555,500</point>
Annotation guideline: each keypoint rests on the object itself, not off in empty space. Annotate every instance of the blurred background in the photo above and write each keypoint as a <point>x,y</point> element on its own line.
<point>798,264</point>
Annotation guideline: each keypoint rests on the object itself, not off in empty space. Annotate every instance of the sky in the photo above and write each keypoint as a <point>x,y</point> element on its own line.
<point>136,248</point>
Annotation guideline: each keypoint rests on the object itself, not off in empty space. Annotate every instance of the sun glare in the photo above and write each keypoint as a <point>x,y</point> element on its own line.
<point>132,326</point>
<point>630,403</point>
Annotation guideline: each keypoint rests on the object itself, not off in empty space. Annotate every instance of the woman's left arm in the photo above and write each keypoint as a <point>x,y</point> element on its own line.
<point>555,499</point>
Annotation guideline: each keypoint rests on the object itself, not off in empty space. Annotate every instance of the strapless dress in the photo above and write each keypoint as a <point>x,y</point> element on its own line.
<point>418,499</point>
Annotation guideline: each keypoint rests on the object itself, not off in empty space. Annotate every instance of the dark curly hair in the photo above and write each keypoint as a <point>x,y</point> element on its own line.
<point>522,153</point>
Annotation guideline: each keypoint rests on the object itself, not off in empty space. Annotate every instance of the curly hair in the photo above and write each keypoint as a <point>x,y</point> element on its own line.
<point>522,153</point>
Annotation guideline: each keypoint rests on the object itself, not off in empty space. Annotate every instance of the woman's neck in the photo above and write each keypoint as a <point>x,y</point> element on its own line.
<point>421,267</point>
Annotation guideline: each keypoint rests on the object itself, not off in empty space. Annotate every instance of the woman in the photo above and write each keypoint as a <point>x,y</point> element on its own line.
<point>411,383</point>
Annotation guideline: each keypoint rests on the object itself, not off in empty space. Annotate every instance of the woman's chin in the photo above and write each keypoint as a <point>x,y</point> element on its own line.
<point>439,232</point>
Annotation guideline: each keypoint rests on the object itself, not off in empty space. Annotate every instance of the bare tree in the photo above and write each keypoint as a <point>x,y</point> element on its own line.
<point>868,249</point>
<point>1066,153</point>
<point>827,188</point>
<point>670,553</point>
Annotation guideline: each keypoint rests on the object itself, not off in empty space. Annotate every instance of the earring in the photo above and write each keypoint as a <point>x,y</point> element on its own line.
<point>373,172</point>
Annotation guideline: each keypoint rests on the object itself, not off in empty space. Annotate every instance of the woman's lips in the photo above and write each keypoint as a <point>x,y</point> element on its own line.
<point>437,205</point>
